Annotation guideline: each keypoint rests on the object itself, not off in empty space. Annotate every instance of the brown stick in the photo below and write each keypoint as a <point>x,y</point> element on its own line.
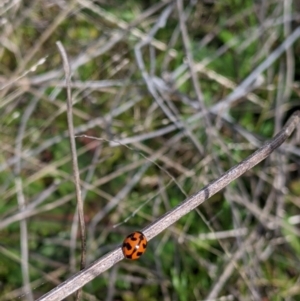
<point>67,70</point>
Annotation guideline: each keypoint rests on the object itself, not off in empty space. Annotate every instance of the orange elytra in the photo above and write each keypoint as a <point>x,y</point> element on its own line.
<point>134,245</point>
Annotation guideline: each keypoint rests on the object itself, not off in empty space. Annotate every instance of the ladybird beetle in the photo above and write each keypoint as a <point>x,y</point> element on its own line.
<point>134,245</point>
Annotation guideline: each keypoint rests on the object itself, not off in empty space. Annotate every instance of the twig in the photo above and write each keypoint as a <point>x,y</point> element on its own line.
<point>21,201</point>
<point>74,229</point>
<point>67,71</point>
<point>110,259</point>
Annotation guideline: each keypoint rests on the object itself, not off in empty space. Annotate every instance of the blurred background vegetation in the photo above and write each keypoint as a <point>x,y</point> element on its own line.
<point>161,137</point>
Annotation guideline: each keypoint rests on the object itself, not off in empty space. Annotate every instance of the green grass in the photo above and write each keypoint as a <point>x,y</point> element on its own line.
<point>179,264</point>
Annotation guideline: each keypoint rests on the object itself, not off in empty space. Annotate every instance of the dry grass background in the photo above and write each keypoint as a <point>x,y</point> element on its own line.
<point>178,91</point>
